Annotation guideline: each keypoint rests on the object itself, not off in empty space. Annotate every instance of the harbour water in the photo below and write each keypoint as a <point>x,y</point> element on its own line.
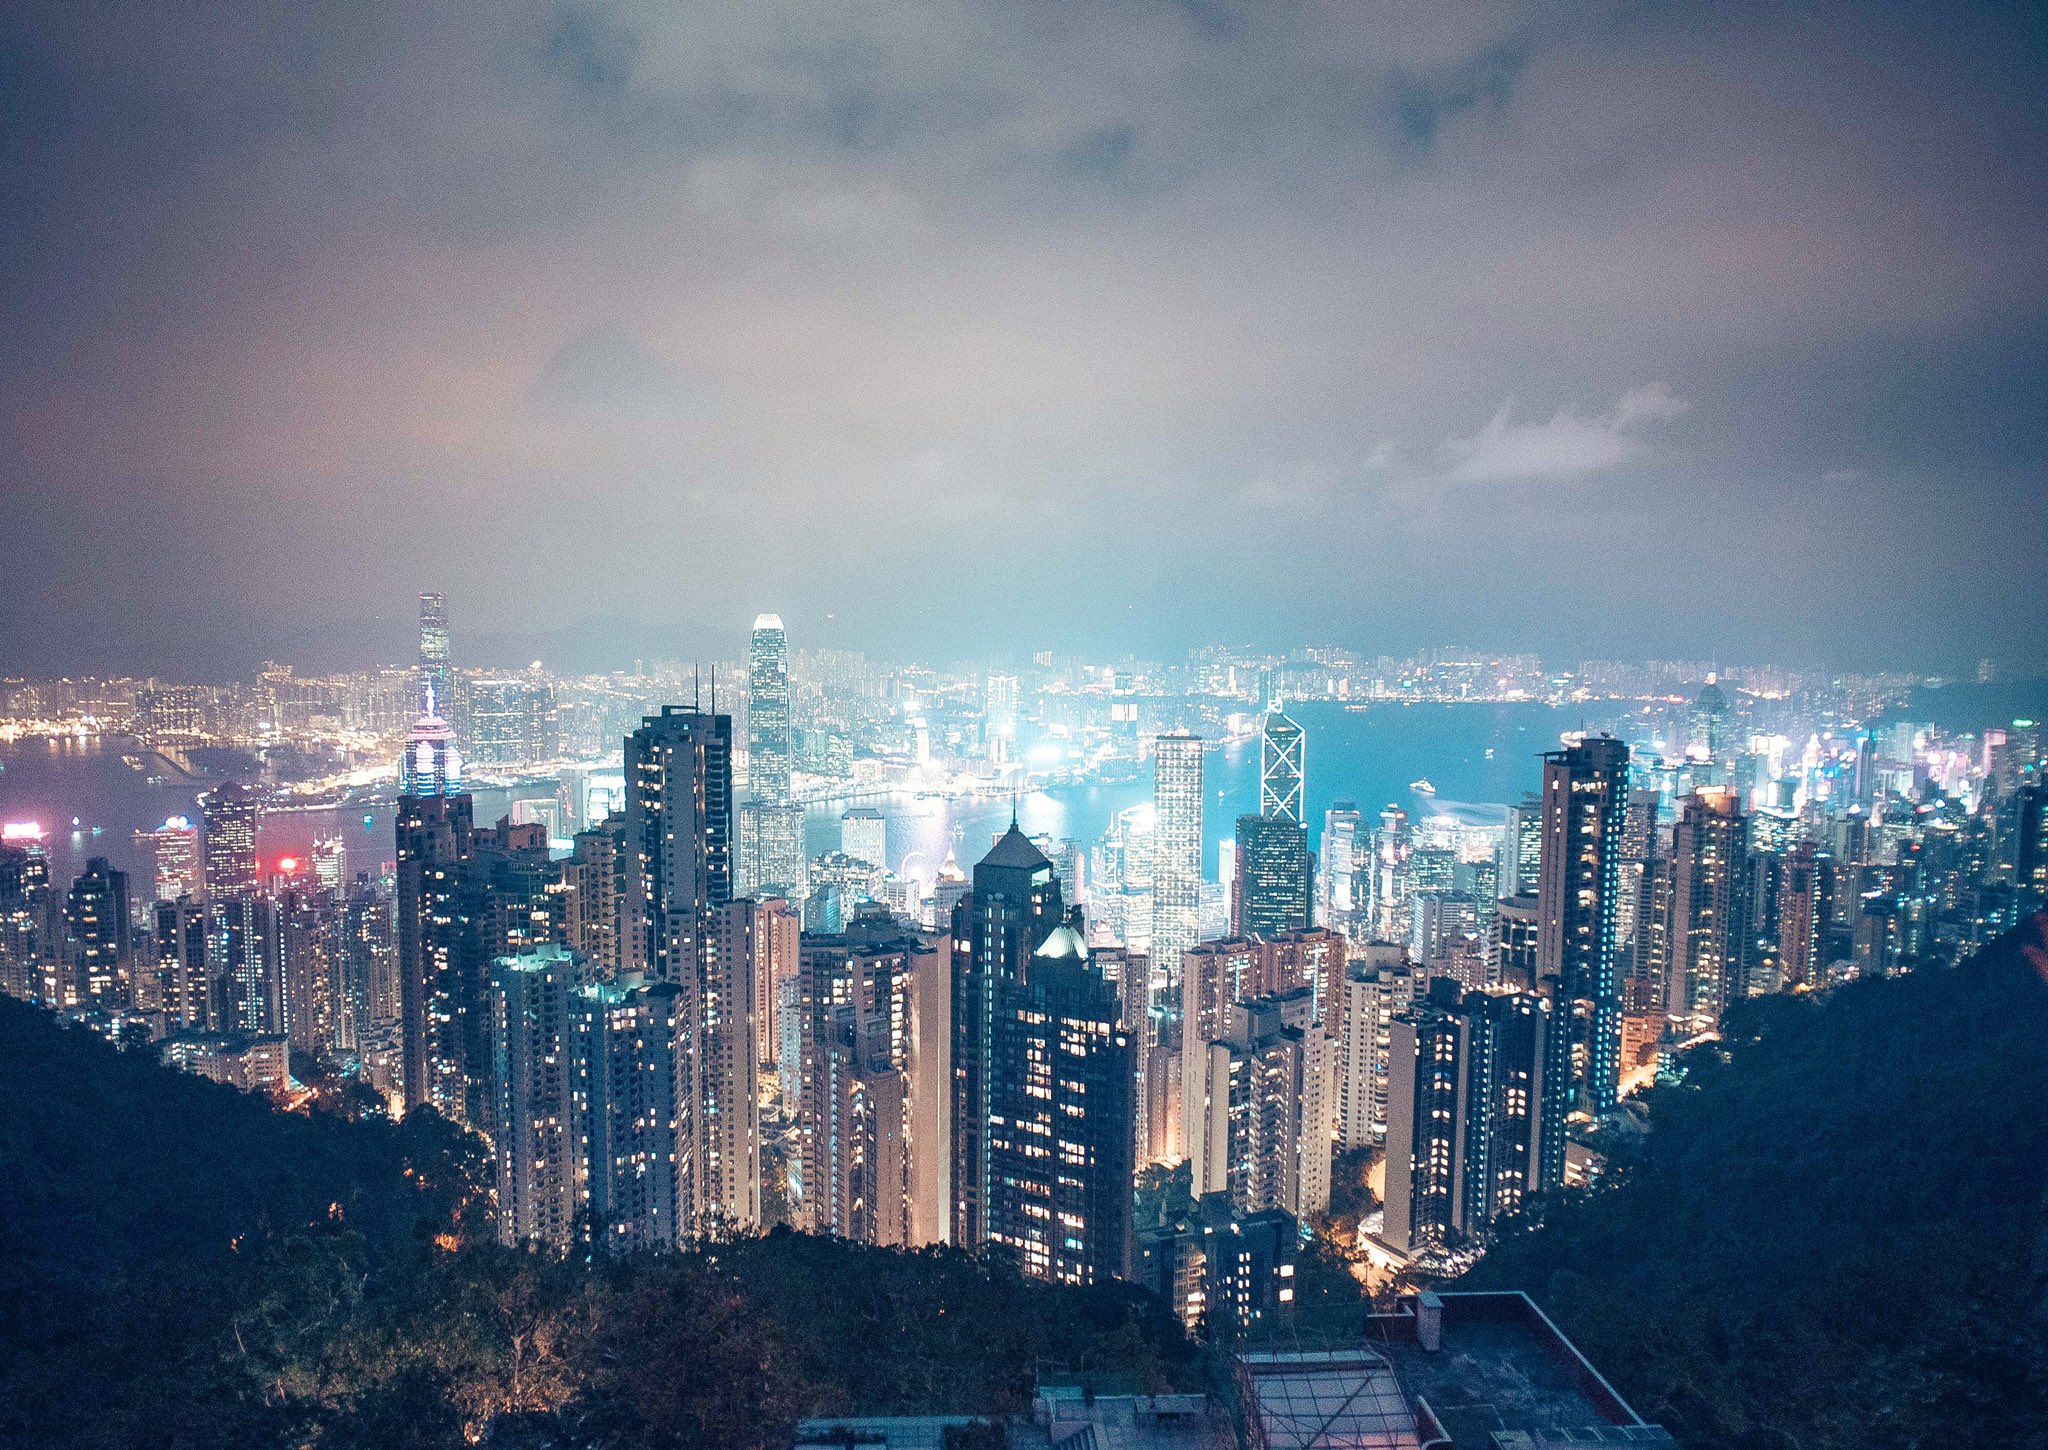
<point>1474,753</point>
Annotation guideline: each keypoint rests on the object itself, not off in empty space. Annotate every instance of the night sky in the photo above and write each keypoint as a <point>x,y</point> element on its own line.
<point>1713,331</point>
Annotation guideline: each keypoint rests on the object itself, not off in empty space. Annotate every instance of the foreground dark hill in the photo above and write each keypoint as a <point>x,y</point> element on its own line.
<point>181,1265</point>
<point>1837,1231</point>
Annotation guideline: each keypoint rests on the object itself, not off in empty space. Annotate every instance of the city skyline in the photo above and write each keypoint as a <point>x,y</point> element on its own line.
<point>1593,331</point>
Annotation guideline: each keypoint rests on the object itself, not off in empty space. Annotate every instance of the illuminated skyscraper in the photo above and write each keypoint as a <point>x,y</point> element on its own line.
<point>1281,767</point>
<point>431,765</point>
<point>437,695</point>
<point>999,718</point>
<point>768,713</point>
<point>1176,854</point>
<point>96,910</point>
<point>1585,799</point>
<point>1273,884</point>
<point>230,815</point>
<point>535,1120</point>
<point>440,972</point>
<point>1708,923</point>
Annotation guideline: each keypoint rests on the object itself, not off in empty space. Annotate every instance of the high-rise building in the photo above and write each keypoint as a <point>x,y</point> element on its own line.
<point>2030,853</point>
<point>1392,845</point>
<point>1282,772</point>
<point>1262,1129</point>
<point>1176,853</point>
<point>184,985</point>
<point>768,710</point>
<point>1464,1123</point>
<point>96,911</point>
<point>594,915</point>
<point>633,1089</point>
<point>1585,798</point>
<point>29,933</point>
<point>535,1132</point>
<point>1378,986</point>
<point>678,839</point>
<point>431,764</point>
<point>172,850</point>
<point>999,718</point>
<point>244,956</point>
<point>230,814</point>
<point>874,1090</point>
<point>864,835</point>
<point>442,976</point>
<point>1273,883</point>
<point>1060,1131</point>
<point>1340,899</point>
<point>437,694</point>
<point>777,938</point>
<point>1014,906</point>
<point>1803,911</point>
<point>1708,904</point>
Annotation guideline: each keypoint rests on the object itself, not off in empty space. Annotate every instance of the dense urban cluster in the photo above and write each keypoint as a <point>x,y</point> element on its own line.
<point>670,1020</point>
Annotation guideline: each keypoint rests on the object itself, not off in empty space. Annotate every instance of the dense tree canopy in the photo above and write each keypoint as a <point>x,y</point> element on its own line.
<point>1835,1233</point>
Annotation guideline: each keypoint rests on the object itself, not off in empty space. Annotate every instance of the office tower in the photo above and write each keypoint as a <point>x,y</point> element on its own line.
<point>1340,899</point>
<point>1392,844</point>
<point>1273,882</point>
<point>1261,1129</point>
<point>999,718</point>
<point>768,711</point>
<point>184,986</point>
<point>873,1091</point>
<point>244,958</point>
<point>775,954</point>
<point>1176,852</point>
<point>1282,759</point>
<point>1708,726</point>
<point>96,912</point>
<point>310,950</point>
<point>1709,905</point>
<point>172,850</point>
<point>678,839</point>
<point>1059,1134</point>
<point>864,835</point>
<point>1584,804</point>
<point>441,975</point>
<point>1377,988</point>
<point>1516,931</point>
<point>1464,1129</point>
<point>534,1129</point>
<point>437,694</point>
<point>1522,852</point>
<point>430,765</point>
<point>631,1059</point>
<point>229,812</point>
<point>594,915</point>
<point>1013,907</point>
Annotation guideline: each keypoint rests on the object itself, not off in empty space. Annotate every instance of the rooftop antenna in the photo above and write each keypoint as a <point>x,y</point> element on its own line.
<point>1015,791</point>
<point>697,686</point>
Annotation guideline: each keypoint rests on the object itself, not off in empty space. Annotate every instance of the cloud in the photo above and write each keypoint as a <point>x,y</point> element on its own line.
<point>1570,444</point>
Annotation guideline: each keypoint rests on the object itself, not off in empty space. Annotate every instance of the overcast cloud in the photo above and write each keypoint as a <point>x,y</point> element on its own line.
<point>1613,329</point>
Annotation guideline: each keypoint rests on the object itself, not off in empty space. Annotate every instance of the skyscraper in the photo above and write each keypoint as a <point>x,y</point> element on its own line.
<point>431,764</point>
<point>1708,923</point>
<point>534,1124</point>
<point>678,839</point>
<point>768,712</point>
<point>1585,799</point>
<point>229,812</point>
<point>173,852</point>
<point>1014,907</point>
<point>1273,884</point>
<point>96,910</point>
<point>437,696</point>
<point>440,973</point>
<point>1281,767</point>
<point>1176,853</point>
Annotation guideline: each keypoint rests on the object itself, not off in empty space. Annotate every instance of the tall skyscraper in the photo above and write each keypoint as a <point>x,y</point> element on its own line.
<point>535,1128</point>
<point>1282,772</point>
<point>431,764</point>
<point>1339,899</point>
<point>441,975</point>
<point>1585,799</point>
<point>1176,854</point>
<point>437,695</point>
<point>768,712</point>
<point>244,955</point>
<point>230,814</point>
<point>1014,906</point>
<point>1273,884</point>
<point>1708,904</point>
<point>1060,1131</point>
<point>1261,1130</point>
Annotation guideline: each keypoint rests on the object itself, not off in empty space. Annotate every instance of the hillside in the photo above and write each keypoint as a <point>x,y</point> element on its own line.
<point>1836,1233</point>
<point>181,1265</point>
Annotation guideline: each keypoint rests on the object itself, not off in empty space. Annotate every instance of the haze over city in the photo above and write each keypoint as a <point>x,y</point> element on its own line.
<point>1610,330</point>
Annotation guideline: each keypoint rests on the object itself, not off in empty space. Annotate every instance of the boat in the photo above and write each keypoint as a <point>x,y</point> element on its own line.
<point>1422,787</point>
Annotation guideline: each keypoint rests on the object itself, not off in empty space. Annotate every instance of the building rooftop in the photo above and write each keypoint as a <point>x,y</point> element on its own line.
<point>1014,849</point>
